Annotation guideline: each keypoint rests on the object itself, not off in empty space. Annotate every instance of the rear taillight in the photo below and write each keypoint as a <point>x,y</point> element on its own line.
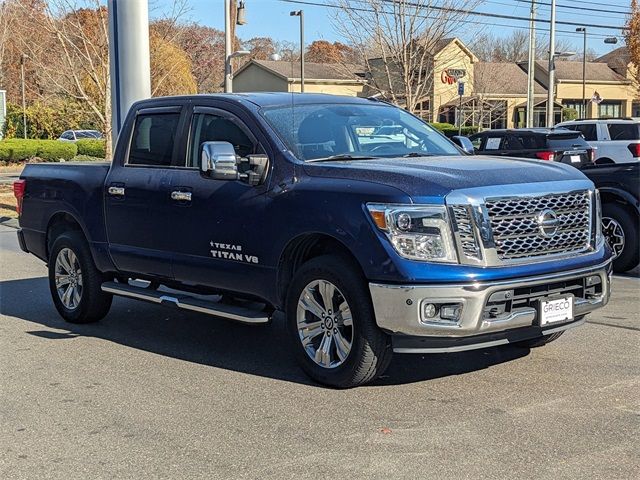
<point>548,156</point>
<point>19,187</point>
<point>592,155</point>
<point>634,148</point>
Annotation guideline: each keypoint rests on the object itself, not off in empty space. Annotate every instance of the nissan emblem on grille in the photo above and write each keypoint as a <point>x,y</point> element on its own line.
<point>548,223</point>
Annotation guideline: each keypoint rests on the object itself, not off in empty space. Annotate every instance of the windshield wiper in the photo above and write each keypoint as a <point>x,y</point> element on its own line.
<point>417,154</point>
<point>344,156</point>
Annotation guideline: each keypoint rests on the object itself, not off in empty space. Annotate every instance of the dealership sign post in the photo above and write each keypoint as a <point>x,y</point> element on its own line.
<point>460,94</point>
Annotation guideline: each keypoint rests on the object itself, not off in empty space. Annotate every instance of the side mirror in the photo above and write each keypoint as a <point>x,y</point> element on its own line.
<point>219,161</point>
<point>464,143</point>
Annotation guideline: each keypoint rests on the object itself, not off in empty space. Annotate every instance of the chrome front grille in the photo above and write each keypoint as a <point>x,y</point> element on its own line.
<point>519,230</point>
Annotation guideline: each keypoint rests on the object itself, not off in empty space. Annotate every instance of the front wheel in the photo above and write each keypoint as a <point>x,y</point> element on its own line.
<point>332,326</point>
<point>75,282</point>
<point>620,228</point>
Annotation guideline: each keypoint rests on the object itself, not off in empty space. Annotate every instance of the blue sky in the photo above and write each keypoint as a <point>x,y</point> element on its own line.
<point>271,18</point>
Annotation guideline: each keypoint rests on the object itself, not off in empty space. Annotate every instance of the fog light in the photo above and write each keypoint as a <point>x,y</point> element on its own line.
<point>429,310</point>
<point>451,312</point>
<point>593,280</point>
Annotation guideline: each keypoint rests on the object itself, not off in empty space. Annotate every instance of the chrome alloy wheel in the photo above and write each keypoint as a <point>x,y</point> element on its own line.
<point>614,234</point>
<point>68,278</point>
<point>325,324</point>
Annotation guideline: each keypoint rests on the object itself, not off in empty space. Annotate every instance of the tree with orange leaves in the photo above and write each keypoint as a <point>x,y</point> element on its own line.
<point>632,39</point>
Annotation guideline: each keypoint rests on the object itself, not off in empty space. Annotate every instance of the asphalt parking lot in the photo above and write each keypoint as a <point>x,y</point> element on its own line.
<point>154,393</point>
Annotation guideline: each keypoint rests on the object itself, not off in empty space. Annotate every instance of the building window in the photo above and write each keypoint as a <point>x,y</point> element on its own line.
<point>576,105</point>
<point>609,109</point>
<point>635,109</point>
<point>423,109</point>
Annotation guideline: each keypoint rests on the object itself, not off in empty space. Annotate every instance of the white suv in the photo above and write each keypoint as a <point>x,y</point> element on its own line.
<point>614,140</point>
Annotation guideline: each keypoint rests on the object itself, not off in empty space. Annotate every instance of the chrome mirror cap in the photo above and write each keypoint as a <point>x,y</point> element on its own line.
<point>219,161</point>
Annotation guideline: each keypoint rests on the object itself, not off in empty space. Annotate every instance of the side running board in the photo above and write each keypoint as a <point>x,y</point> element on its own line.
<point>186,302</point>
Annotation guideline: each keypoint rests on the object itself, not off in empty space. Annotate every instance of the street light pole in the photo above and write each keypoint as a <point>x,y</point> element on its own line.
<point>24,100</point>
<point>552,66</point>
<point>584,70</point>
<point>300,13</point>
<point>228,85</point>
<point>532,65</point>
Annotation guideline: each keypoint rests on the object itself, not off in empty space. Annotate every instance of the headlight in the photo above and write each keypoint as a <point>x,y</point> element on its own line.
<point>417,232</point>
<point>599,236</point>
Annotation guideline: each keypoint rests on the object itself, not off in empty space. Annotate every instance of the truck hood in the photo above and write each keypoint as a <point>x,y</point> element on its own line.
<point>438,176</point>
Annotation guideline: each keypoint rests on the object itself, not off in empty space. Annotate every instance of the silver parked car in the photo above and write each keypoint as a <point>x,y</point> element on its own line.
<point>75,135</point>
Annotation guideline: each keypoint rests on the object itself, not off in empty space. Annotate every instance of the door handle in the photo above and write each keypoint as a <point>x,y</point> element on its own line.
<point>179,196</point>
<point>116,191</point>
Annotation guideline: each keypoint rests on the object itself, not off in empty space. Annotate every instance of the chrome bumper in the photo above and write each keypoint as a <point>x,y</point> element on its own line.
<point>398,308</point>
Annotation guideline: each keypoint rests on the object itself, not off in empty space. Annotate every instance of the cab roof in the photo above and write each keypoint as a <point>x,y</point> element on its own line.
<point>267,99</point>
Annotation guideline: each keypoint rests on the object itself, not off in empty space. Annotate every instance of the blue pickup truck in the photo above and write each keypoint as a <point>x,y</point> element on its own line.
<point>368,229</point>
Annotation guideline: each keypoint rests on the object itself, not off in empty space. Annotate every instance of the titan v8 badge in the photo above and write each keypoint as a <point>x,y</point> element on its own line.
<point>228,251</point>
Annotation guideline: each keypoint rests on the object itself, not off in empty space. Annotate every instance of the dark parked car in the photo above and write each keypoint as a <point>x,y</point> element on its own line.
<point>558,144</point>
<point>619,186</point>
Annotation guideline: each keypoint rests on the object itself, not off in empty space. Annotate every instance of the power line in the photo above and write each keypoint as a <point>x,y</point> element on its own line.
<point>469,12</point>
<point>507,17</point>
<point>525,2</point>
<point>581,8</point>
<point>571,33</point>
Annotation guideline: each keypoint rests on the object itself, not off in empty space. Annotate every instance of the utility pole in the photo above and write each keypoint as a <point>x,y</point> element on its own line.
<point>584,70</point>
<point>23,57</point>
<point>128,58</point>
<point>552,66</point>
<point>532,66</point>
<point>300,13</point>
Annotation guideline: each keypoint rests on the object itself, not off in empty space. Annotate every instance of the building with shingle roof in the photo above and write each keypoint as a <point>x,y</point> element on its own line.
<point>283,76</point>
<point>495,93</point>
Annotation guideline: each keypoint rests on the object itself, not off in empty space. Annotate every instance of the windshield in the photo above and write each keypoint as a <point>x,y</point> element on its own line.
<point>320,131</point>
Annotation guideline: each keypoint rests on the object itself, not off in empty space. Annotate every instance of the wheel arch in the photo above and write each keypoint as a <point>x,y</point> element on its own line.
<point>59,223</point>
<point>303,248</point>
<point>615,195</point>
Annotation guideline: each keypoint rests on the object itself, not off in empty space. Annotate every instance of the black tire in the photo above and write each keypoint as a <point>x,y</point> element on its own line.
<point>540,341</point>
<point>370,351</point>
<point>628,220</point>
<point>94,304</point>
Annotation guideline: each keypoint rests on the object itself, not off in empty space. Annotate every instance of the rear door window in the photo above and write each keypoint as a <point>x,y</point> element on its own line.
<point>154,136</point>
<point>588,130</point>
<point>624,131</point>
<point>565,142</point>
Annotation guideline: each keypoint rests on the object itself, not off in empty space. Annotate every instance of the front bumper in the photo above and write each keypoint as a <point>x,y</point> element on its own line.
<point>487,309</point>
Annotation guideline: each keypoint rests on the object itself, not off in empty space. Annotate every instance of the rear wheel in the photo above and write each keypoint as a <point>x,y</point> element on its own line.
<point>620,228</point>
<point>75,282</point>
<point>331,324</point>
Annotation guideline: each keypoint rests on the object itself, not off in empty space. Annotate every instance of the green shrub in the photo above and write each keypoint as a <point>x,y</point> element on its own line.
<point>87,158</point>
<point>15,150</point>
<point>91,147</point>
<point>442,126</point>
<point>464,131</point>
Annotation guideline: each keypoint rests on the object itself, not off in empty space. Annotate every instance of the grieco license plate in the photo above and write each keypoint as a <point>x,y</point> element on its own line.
<point>575,159</point>
<point>556,310</point>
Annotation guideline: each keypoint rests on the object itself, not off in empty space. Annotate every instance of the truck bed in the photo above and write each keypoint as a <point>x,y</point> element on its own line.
<point>71,188</point>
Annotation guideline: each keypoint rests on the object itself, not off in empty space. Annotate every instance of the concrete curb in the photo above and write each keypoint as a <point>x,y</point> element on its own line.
<point>9,222</point>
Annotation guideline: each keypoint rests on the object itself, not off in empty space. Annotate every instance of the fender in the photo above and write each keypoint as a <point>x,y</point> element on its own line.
<point>626,196</point>
<point>99,250</point>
